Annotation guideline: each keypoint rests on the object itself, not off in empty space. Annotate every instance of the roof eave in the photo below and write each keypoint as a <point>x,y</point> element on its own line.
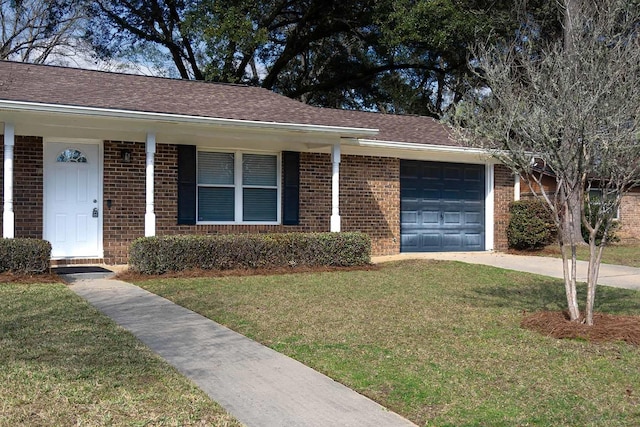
<point>344,132</point>
<point>416,146</point>
<point>419,151</point>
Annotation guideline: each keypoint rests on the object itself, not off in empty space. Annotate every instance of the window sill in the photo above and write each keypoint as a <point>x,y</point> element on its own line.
<point>238,223</point>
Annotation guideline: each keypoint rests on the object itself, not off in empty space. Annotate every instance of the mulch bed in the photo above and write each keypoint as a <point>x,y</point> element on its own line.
<point>8,277</point>
<point>606,327</point>
<point>128,275</point>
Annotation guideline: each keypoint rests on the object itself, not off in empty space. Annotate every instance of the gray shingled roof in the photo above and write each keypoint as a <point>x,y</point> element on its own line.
<point>88,88</point>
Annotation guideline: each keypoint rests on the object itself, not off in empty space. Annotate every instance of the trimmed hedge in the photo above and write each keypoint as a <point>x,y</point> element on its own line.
<point>157,255</point>
<point>25,256</point>
<point>530,225</point>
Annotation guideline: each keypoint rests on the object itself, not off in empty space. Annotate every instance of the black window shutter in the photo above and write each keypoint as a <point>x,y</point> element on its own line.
<point>291,188</point>
<point>187,184</point>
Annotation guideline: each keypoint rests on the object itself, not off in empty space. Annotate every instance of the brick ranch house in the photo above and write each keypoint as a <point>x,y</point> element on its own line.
<point>93,160</point>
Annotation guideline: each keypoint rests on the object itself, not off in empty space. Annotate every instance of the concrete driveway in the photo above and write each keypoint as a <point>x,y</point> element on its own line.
<point>618,276</point>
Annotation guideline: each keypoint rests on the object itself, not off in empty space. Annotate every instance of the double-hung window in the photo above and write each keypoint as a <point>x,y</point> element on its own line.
<point>238,188</point>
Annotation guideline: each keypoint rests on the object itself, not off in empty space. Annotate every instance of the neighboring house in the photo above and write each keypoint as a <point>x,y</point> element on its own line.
<point>93,160</point>
<point>628,213</point>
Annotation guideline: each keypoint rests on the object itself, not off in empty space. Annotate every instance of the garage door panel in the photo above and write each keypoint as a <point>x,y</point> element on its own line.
<point>474,241</point>
<point>473,195</point>
<point>451,173</point>
<point>431,194</point>
<point>473,218</point>
<point>442,206</point>
<point>430,217</point>
<point>473,174</point>
<point>429,172</point>
<point>408,194</point>
<point>452,218</point>
<point>452,241</point>
<point>430,241</point>
<point>410,171</point>
<point>409,217</point>
<point>452,194</point>
<point>410,241</point>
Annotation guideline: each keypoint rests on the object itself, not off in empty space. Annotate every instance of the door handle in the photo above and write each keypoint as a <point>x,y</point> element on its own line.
<point>95,213</point>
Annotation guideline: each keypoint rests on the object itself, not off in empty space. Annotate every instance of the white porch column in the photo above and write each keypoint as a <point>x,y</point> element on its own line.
<point>335,187</point>
<point>8,218</point>
<point>516,187</point>
<point>150,216</point>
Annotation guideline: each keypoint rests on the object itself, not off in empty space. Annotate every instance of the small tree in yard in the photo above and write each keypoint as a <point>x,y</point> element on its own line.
<point>573,107</point>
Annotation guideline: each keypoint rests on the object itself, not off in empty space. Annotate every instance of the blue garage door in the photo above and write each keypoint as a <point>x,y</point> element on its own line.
<point>442,206</point>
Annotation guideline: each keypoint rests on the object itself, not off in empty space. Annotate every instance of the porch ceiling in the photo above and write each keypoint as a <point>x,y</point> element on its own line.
<point>230,135</point>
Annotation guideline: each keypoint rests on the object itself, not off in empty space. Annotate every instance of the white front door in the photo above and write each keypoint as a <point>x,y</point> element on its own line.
<point>72,216</point>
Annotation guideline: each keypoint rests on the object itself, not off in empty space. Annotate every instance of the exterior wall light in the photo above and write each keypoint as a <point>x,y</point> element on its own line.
<point>125,155</point>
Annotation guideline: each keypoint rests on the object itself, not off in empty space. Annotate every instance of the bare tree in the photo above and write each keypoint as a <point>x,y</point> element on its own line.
<point>575,104</point>
<point>40,31</point>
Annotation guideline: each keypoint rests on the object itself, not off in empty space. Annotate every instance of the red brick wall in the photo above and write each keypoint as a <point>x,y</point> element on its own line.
<point>630,216</point>
<point>27,185</point>
<point>124,186</point>
<point>369,199</point>
<point>503,196</point>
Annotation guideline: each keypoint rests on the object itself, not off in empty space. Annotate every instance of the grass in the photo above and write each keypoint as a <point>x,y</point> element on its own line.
<point>63,363</point>
<point>621,254</point>
<point>438,342</point>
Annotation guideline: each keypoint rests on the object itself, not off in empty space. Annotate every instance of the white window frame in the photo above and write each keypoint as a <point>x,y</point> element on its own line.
<point>239,188</point>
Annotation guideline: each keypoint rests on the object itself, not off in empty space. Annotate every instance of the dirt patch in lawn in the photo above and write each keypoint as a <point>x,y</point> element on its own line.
<point>606,327</point>
<point>129,275</point>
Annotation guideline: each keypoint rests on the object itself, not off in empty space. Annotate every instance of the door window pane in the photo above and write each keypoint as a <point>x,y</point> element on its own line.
<point>71,155</point>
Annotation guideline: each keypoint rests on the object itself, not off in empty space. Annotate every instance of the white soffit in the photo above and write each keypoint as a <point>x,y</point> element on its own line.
<point>18,106</point>
<point>417,151</point>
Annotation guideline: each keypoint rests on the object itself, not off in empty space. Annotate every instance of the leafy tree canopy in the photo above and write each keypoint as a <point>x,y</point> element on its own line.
<point>402,56</point>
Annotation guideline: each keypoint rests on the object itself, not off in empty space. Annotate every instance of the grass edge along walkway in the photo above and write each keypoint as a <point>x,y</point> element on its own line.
<point>64,363</point>
<point>256,384</point>
<point>438,342</point>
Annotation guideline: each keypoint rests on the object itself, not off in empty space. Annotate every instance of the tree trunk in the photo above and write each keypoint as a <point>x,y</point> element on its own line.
<point>569,269</point>
<point>595,255</point>
<point>568,247</point>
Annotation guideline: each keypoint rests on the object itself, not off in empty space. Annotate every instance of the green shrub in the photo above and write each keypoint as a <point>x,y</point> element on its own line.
<point>157,255</point>
<point>25,256</point>
<point>530,225</point>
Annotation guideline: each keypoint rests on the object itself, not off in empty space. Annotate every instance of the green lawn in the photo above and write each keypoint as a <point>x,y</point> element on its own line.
<point>62,364</point>
<point>438,342</point>
<point>620,254</point>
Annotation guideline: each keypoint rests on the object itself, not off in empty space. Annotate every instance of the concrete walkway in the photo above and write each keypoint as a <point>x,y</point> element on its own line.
<point>257,385</point>
<point>610,275</point>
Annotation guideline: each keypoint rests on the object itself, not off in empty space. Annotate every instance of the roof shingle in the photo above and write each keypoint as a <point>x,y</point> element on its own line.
<point>98,89</point>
